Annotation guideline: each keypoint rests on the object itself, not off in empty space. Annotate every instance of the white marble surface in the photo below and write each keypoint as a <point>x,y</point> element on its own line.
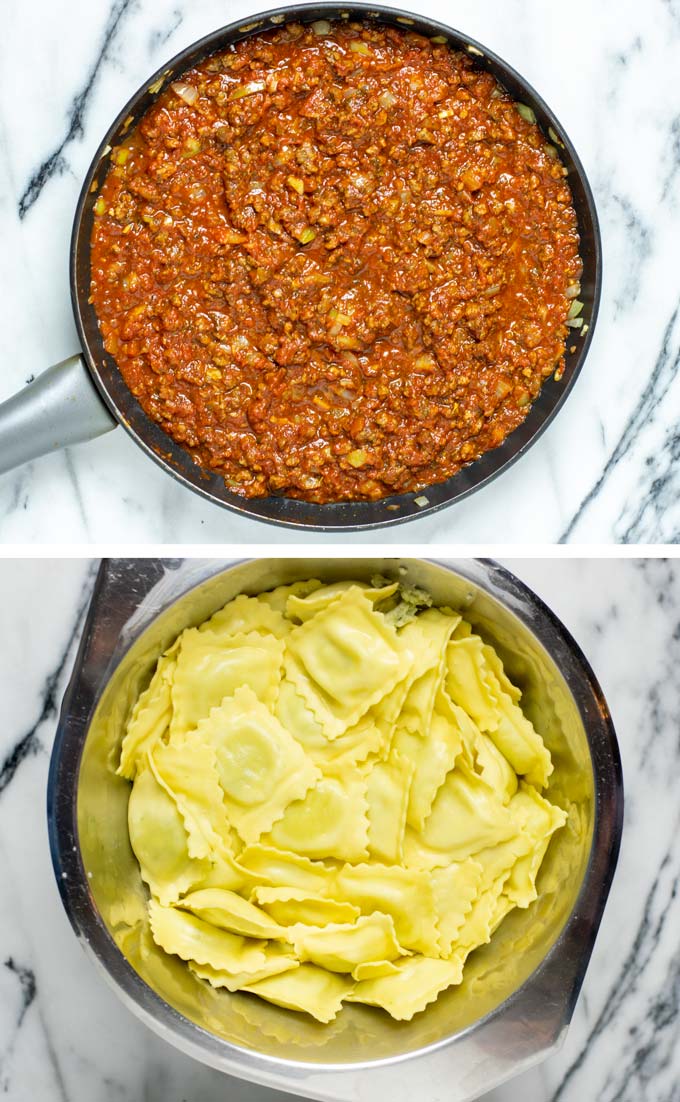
<point>64,1037</point>
<point>605,471</point>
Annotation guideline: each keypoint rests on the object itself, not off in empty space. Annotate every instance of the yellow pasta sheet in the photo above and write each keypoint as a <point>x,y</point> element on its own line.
<point>344,660</point>
<point>293,906</point>
<point>150,718</point>
<point>160,841</point>
<point>229,911</point>
<point>188,773</point>
<point>415,983</point>
<point>261,767</point>
<point>330,821</point>
<point>342,947</point>
<point>310,989</point>
<point>388,784</point>
<point>210,668</point>
<point>193,939</point>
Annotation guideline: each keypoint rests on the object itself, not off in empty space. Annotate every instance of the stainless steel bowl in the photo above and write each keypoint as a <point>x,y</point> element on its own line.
<point>519,992</point>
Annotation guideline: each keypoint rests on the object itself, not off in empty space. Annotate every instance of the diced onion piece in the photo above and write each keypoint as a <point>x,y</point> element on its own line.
<point>321,26</point>
<point>574,290</point>
<point>306,235</point>
<point>247,89</point>
<point>574,323</point>
<point>296,184</point>
<point>526,112</point>
<point>421,502</point>
<point>575,309</point>
<point>191,146</point>
<point>359,47</point>
<point>187,92</point>
<point>439,39</point>
<point>386,99</point>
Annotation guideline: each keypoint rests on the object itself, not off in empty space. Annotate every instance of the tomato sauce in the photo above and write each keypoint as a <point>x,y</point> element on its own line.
<point>335,262</point>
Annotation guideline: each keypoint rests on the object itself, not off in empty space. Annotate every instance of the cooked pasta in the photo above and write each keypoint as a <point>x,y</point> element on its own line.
<point>335,797</point>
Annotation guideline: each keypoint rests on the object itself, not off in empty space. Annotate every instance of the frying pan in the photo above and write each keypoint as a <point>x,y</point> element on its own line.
<point>85,396</point>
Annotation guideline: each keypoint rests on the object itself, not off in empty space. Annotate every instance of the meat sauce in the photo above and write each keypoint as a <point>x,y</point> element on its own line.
<point>335,262</point>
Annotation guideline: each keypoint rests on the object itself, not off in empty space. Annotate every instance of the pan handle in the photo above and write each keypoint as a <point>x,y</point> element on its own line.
<point>60,408</point>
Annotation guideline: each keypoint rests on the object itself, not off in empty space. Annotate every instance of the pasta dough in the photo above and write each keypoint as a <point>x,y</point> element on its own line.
<point>333,800</point>
<point>261,767</point>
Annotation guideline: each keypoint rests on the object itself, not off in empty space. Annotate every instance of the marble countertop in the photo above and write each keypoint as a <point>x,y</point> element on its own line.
<point>605,471</point>
<point>64,1037</point>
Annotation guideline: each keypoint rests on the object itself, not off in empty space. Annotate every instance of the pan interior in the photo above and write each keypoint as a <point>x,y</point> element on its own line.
<point>288,511</point>
<point>492,974</point>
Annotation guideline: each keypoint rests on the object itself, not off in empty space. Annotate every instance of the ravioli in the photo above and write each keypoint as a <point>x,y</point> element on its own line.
<point>336,798</point>
<point>276,960</point>
<point>466,816</point>
<point>193,939</point>
<point>261,767</point>
<point>229,911</point>
<point>388,784</point>
<point>418,707</point>
<point>345,659</point>
<point>342,947</point>
<point>405,894</point>
<point>352,746</point>
<point>313,990</point>
<point>244,615</point>
<point>330,821</point>
<point>271,866</point>
<point>432,759</point>
<point>150,718</point>
<point>160,841</point>
<point>210,668</point>
<point>455,887</point>
<point>291,906</point>
<point>304,608</point>
<point>409,989</point>
<point>188,773</point>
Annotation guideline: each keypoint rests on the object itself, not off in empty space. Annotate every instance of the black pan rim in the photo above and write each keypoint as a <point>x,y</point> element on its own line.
<point>336,517</point>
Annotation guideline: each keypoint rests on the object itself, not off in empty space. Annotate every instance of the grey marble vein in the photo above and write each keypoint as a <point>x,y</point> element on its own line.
<point>28,742</point>
<point>640,243</point>
<point>158,37</point>
<point>660,380</point>
<point>27,989</point>
<point>55,163</point>
<point>624,1085</point>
